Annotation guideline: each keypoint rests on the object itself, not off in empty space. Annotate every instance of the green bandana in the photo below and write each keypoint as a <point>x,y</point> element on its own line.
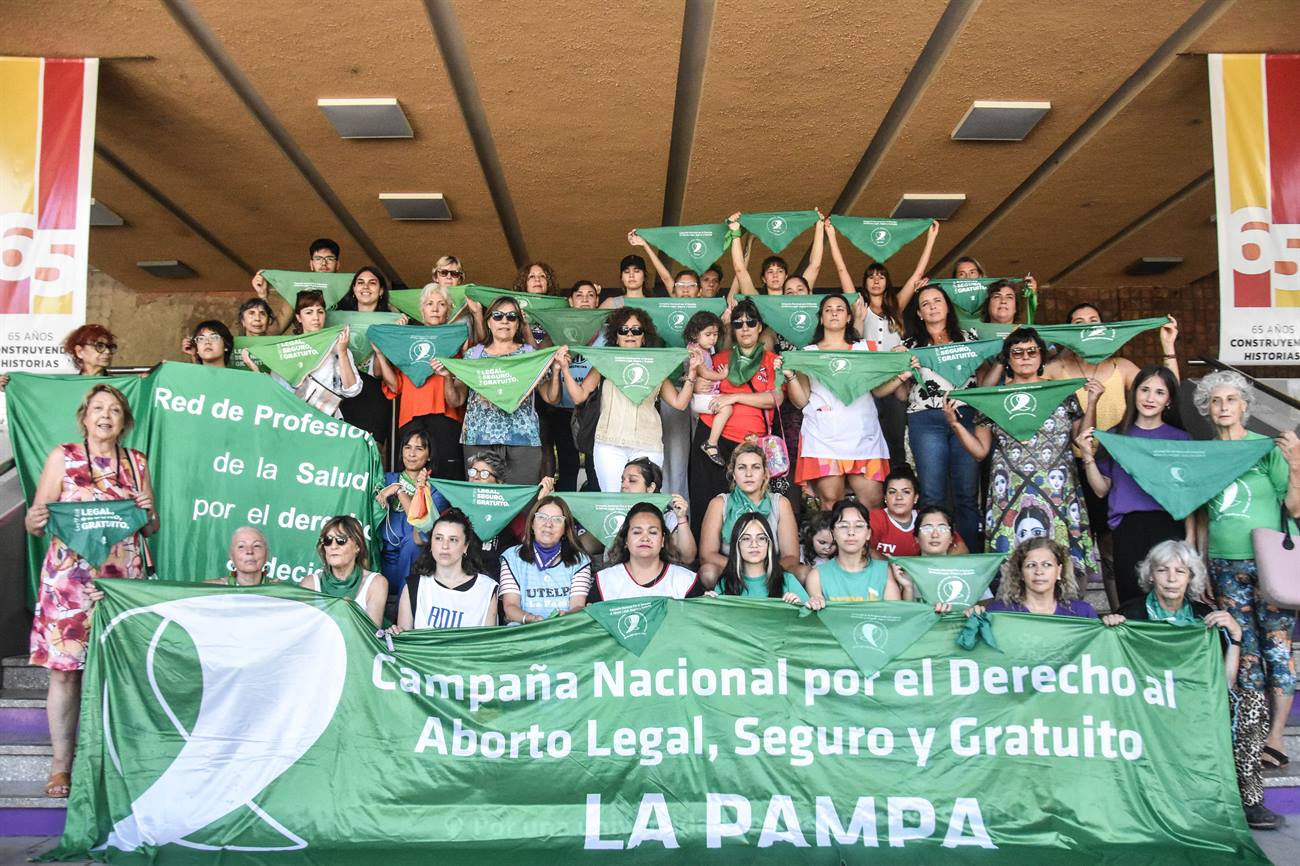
<point>956,362</point>
<point>412,347</point>
<point>1094,343</point>
<point>977,627</point>
<point>875,634</point>
<point>879,238</point>
<point>602,514</point>
<point>346,588</point>
<point>670,315</point>
<point>776,229</point>
<point>741,367</point>
<point>567,326</point>
<point>794,316</point>
<point>292,356</point>
<point>958,580</point>
<point>408,301</point>
<point>1182,475</point>
<point>696,247</point>
<point>985,330</point>
<point>632,623</point>
<point>1156,612</point>
<point>485,295</point>
<point>847,375</point>
<point>504,381</point>
<point>635,372</point>
<point>288,284</point>
<point>966,295</point>
<point>737,504</point>
<point>1020,410</point>
<point>91,529</point>
<point>360,323</point>
<point>490,507</point>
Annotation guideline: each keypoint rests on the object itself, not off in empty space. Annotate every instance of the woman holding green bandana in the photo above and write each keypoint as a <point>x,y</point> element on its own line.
<point>96,469</point>
<point>1173,580</point>
<point>342,550</point>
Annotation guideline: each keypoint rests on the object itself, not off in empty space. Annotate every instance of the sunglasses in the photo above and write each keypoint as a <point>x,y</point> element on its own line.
<point>445,272</point>
<point>334,541</point>
<point>501,316</point>
<point>1029,352</point>
<point>744,323</point>
<point>101,346</point>
<point>481,473</point>
<point>634,331</point>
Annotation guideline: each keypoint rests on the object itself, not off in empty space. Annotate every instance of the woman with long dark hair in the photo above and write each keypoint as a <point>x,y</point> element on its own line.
<point>753,568</point>
<point>644,561</point>
<point>1137,522</point>
<point>446,588</point>
<point>546,574</point>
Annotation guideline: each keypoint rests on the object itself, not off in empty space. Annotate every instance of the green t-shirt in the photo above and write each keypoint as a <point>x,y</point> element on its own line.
<point>866,585</point>
<point>1254,500</point>
<point>756,587</point>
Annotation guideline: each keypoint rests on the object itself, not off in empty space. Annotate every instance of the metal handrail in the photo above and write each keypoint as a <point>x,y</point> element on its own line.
<point>1277,395</point>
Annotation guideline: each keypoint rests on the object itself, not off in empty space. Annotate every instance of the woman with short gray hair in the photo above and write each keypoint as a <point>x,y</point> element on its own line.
<point>1254,500</point>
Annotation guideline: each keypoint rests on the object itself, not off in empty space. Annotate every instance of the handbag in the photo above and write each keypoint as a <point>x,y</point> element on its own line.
<point>421,514</point>
<point>773,446</point>
<point>150,564</point>
<point>1277,561</point>
<point>586,415</point>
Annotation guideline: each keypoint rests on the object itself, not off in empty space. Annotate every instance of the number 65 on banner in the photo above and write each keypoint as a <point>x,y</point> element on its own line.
<point>46,257</point>
<point>1260,248</point>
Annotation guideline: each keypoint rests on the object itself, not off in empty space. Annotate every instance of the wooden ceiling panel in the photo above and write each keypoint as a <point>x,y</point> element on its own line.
<point>579,97</point>
<point>336,49</point>
<point>151,233</point>
<point>1073,55</point>
<point>1183,230</point>
<point>1157,145</point>
<point>175,122</point>
<point>791,101</point>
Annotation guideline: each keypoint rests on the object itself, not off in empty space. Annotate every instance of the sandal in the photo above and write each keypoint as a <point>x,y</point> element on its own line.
<point>711,451</point>
<point>58,785</point>
<point>1279,759</point>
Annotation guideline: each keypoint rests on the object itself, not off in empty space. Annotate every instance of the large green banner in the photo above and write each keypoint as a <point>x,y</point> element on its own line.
<point>270,725</point>
<point>225,449</point>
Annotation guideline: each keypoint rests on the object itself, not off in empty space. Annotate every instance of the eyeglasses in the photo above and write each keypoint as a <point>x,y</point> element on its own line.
<point>101,346</point>
<point>500,315</point>
<point>633,331</point>
<point>325,260</point>
<point>935,529</point>
<point>1027,352</point>
<point>686,285</point>
<point>334,541</point>
<point>208,338</point>
<point>448,272</point>
<point>551,519</point>
<point>481,473</point>
<point>754,539</point>
<point>847,527</point>
<point>744,323</point>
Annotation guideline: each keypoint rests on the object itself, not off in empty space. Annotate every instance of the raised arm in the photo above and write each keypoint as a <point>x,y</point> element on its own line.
<point>1087,446</point>
<point>739,262</point>
<point>917,278</point>
<point>977,444</point>
<point>841,269</point>
<point>637,241</point>
<point>814,268</point>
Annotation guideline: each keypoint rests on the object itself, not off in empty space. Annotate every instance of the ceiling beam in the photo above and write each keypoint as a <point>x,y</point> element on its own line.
<point>197,29</point>
<point>1151,69</point>
<point>697,25</point>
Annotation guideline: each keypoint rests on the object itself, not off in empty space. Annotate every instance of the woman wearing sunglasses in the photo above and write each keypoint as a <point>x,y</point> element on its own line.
<point>342,550</point>
<point>547,574</point>
<point>1042,495</point>
<point>751,389</point>
<point>626,430</point>
<point>515,436</point>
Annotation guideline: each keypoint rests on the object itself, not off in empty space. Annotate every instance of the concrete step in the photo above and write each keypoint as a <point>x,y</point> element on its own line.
<point>22,716</point>
<point>26,811</point>
<point>16,673</point>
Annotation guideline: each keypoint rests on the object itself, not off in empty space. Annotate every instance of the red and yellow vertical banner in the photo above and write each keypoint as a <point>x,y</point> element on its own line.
<point>47,137</point>
<point>1255,107</point>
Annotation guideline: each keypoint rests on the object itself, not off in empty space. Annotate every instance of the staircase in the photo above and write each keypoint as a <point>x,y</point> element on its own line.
<point>25,753</point>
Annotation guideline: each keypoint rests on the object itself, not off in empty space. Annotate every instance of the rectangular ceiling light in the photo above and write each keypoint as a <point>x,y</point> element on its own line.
<point>379,117</point>
<point>102,215</point>
<point>993,120</point>
<point>1148,265</point>
<point>168,269</point>
<point>928,206</point>
<point>415,205</point>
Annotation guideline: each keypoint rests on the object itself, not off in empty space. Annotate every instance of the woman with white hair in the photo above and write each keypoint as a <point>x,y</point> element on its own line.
<point>436,408</point>
<point>1254,499</point>
<point>1173,578</point>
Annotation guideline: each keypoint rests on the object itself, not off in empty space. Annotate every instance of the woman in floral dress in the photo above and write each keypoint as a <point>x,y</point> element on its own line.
<point>67,595</point>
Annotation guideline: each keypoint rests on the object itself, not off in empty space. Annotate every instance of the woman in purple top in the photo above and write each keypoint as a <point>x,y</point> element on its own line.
<point>1137,521</point>
<point>1038,578</point>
